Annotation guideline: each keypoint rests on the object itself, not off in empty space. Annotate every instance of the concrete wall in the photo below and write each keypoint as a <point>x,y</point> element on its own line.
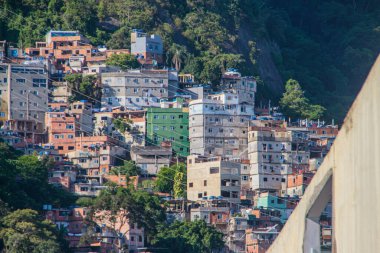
<point>354,165</point>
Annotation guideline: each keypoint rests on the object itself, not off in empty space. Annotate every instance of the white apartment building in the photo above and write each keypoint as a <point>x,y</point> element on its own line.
<point>136,89</point>
<point>243,86</point>
<point>218,126</point>
<point>274,153</point>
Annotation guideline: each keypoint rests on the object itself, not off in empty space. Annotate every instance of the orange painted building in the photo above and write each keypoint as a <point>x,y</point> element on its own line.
<point>69,51</point>
<point>259,240</point>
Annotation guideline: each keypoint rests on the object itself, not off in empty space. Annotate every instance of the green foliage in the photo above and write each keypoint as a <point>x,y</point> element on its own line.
<point>177,54</point>
<point>294,104</point>
<point>178,187</point>
<point>170,180</point>
<point>124,61</point>
<point>189,237</point>
<point>23,182</point>
<point>23,231</point>
<point>129,169</point>
<point>122,125</point>
<point>134,205</point>
<point>84,201</point>
<point>83,88</point>
<point>328,46</point>
<point>206,31</point>
<point>80,15</point>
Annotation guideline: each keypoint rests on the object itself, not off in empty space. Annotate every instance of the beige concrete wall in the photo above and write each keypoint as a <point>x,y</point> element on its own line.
<point>354,161</point>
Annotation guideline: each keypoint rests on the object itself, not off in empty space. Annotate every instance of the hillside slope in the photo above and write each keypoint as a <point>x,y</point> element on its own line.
<point>328,46</point>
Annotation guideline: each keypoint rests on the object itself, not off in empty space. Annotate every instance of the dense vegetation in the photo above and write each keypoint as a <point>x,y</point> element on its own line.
<point>24,185</point>
<point>24,189</point>
<point>328,46</point>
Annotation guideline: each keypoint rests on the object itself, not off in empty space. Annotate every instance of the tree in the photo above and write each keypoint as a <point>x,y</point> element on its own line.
<point>24,182</point>
<point>23,231</point>
<point>83,87</point>
<point>122,125</point>
<point>189,237</point>
<point>129,169</point>
<point>124,61</point>
<point>214,67</point>
<point>178,55</point>
<point>117,206</point>
<point>166,178</point>
<point>179,186</point>
<point>294,103</point>
<point>80,15</point>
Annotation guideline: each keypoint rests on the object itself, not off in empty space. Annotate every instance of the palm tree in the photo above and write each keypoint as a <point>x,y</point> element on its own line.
<point>179,54</point>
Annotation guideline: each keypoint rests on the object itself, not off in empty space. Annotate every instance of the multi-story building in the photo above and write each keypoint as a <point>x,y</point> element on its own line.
<point>244,87</point>
<point>274,153</point>
<point>137,89</point>
<point>236,234</point>
<point>272,201</point>
<point>218,126</point>
<point>148,49</point>
<point>82,112</point>
<point>24,100</point>
<point>297,183</point>
<point>61,128</point>
<point>134,133</point>
<point>169,124</point>
<point>60,92</point>
<point>213,177</point>
<point>152,158</point>
<point>69,51</point>
<point>259,240</point>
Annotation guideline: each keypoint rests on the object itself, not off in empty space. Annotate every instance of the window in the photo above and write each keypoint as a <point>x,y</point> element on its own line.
<point>199,195</point>
<point>205,194</point>
<point>172,128</point>
<point>60,147</point>
<point>172,117</point>
<point>214,170</point>
<point>265,179</point>
<point>225,194</point>
<point>191,185</point>
<point>156,128</point>
<point>155,116</point>
<point>71,148</point>
<point>69,126</point>
<point>204,182</point>
<point>132,238</point>
<point>146,80</point>
<point>20,81</point>
<point>244,178</point>
<point>140,238</point>
<point>39,82</point>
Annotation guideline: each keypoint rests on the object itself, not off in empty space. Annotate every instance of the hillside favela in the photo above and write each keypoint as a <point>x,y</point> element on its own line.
<point>189,126</point>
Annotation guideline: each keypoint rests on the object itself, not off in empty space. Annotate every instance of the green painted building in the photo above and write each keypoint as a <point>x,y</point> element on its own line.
<point>169,124</point>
